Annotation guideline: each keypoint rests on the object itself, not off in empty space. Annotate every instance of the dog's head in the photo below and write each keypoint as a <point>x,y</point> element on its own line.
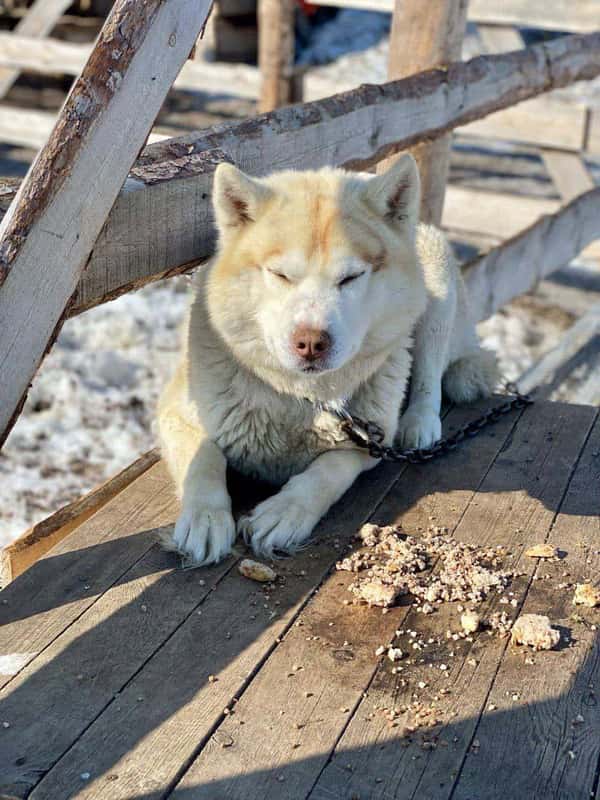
<point>316,274</point>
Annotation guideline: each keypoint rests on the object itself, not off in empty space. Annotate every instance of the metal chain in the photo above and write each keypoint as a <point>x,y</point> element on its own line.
<point>369,435</point>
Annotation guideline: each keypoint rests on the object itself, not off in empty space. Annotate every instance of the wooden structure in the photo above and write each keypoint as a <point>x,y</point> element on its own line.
<point>124,676</point>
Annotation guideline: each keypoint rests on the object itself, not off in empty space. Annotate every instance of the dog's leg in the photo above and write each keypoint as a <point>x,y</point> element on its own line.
<point>420,425</point>
<point>205,529</point>
<point>285,521</point>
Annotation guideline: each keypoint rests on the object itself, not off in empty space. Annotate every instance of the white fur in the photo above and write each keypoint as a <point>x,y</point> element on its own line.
<point>241,394</point>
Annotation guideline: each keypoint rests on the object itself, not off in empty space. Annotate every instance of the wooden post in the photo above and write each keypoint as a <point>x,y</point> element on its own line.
<point>50,228</point>
<point>424,35</point>
<point>279,86</point>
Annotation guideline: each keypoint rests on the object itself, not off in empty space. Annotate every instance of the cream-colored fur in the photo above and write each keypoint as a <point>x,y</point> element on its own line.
<point>329,251</point>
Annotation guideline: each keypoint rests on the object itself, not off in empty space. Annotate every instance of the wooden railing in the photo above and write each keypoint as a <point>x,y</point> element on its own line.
<point>161,222</point>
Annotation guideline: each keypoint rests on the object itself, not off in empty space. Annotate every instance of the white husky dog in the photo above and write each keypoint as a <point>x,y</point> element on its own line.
<point>323,292</point>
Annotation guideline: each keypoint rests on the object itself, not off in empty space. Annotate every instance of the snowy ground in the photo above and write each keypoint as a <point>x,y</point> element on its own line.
<point>90,410</point>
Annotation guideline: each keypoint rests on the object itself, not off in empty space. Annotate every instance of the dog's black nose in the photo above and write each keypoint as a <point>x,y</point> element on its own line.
<point>311,344</point>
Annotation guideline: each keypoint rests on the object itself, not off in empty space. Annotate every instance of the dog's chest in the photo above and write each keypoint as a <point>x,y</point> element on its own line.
<point>276,439</point>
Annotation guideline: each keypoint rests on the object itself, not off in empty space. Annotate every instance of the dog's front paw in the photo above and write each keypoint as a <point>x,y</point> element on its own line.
<point>204,534</point>
<point>280,524</point>
<point>419,426</point>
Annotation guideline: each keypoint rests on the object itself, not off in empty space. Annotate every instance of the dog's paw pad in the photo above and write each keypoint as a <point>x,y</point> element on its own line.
<point>204,535</point>
<point>419,428</point>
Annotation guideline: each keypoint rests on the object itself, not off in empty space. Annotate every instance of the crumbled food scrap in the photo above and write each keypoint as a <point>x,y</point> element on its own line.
<point>535,630</point>
<point>376,593</point>
<point>500,623</point>
<point>395,654</point>
<point>586,594</point>
<point>256,571</point>
<point>391,563</point>
<point>470,621</point>
<point>542,551</point>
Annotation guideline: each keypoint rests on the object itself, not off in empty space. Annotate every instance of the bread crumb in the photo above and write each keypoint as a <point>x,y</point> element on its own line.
<point>535,630</point>
<point>470,621</point>
<point>542,551</point>
<point>256,571</point>
<point>586,594</point>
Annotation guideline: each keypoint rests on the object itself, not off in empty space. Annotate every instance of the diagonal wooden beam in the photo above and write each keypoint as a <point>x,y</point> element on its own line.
<point>37,23</point>
<point>48,232</point>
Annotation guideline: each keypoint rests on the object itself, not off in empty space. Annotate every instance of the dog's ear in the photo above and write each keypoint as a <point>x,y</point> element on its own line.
<point>396,194</point>
<point>237,198</point>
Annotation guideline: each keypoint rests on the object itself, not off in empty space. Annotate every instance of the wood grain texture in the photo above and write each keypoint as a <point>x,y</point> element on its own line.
<point>49,231</point>
<point>20,554</point>
<point>318,682</point>
<point>517,265</point>
<point>515,505</point>
<point>276,48</point>
<point>239,625</point>
<point>425,36</point>
<point>357,128</point>
<point>555,722</point>
<point>48,597</point>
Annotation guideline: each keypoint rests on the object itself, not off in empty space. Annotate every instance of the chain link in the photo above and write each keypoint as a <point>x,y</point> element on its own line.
<point>369,435</point>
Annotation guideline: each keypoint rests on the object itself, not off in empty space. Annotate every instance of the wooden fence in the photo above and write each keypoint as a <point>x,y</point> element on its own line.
<point>87,224</point>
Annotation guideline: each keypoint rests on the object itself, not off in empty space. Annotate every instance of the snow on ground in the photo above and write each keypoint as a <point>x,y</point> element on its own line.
<point>89,412</point>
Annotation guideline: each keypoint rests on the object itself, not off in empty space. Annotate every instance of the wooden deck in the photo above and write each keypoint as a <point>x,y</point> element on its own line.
<point>107,649</point>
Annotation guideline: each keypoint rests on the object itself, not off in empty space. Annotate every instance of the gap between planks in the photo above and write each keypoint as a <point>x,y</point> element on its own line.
<point>176,731</point>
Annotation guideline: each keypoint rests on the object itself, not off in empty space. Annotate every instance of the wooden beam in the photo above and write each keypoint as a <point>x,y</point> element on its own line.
<point>49,231</point>
<point>52,56</point>
<point>568,172</point>
<point>559,15</point>
<point>571,342</point>
<point>519,264</point>
<point>276,53</point>
<point>27,127</point>
<point>424,36</point>
<point>168,194</point>
<point>37,23</point>
<point>19,555</point>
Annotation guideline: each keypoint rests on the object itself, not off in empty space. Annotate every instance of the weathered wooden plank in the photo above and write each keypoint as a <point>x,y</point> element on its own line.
<point>425,36</point>
<point>38,22</point>
<point>517,265</point>
<point>542,122</point>
<point>276,47</point>
<point>355,128</point>
<point>54,699</point>
<point>238,627</point>
<point>52,56</point>
<point>500,38</point>
<point>569,173</point>
<point>48,597</point>
<point>560,15</point>
<point>20,554</point>
<point>318,682</point>
<point>29,127</point>
<point>555,723</point>
<point>49,231</point>
<point>496,214</point>
<point>571,342</point>
<point>515,506</point>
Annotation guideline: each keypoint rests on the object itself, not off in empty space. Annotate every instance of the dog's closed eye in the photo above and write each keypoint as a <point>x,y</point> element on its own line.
<point>349,278</point>
<point>279,275</point>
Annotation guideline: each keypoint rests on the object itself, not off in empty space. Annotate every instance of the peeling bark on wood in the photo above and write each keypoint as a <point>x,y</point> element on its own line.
<point>353,128</point>
<point>49,231</point>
